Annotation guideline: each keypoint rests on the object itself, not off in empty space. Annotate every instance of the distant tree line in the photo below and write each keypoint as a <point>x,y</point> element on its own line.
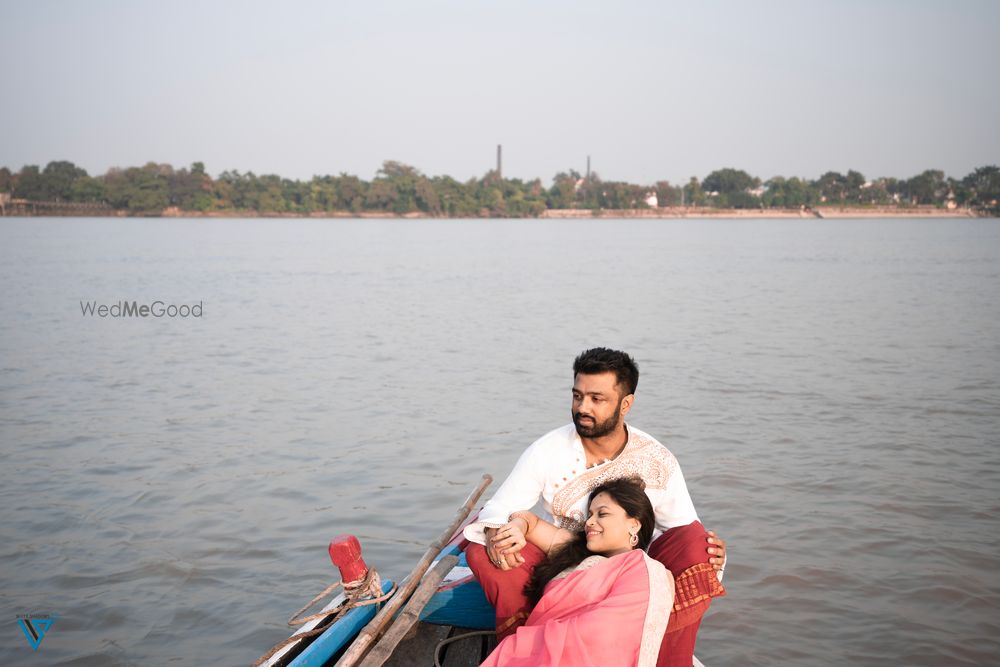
<point>400,189</point>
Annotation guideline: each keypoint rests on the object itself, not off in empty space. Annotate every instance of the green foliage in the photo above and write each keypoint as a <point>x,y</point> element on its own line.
<point>562,194</point>
<point>743,200</point>
<point>667,194</point>
<point>694,194</point>
<point>59,181</point>
<point>143,190</point>
<point>832,187</point>
<point>854,182</point>
<point>87,189</point>
<point>927,188</point>
<point>836,188</point>
<point>788,193</point>
<point>401,189</point>
<point>982,188</point>
<point>191,190</point>
<point>29,183</point>
<point>58,178</point>
<point>728,181</point>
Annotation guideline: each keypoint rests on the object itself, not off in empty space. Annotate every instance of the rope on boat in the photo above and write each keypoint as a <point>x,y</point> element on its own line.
<point>444,642</point>
<point>361,593</point>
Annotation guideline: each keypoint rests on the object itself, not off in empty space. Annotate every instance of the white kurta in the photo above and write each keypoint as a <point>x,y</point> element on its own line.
<point>554,469</point>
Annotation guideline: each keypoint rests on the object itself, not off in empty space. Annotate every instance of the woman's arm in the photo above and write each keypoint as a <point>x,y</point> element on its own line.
<point>527,527</point>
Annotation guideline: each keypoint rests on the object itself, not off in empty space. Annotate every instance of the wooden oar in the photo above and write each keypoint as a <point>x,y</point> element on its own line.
<point>376,627</point>
<point>410,614</point>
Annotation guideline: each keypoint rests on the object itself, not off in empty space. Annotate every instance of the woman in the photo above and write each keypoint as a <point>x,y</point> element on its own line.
<point>600,600</point>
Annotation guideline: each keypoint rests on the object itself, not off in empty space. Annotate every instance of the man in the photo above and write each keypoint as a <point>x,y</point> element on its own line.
<point>561,468</point>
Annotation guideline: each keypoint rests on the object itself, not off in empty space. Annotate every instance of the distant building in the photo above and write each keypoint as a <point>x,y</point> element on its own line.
<point>651,200</point>
<point>950,203</point>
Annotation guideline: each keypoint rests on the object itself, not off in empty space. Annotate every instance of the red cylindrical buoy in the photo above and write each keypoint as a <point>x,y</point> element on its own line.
<point>345,552</point>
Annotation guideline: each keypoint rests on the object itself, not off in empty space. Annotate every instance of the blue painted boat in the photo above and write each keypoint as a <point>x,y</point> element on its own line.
<point>315,652</point>
<point>459,602</point>
<point>457,612</point>
<point>347,627</point>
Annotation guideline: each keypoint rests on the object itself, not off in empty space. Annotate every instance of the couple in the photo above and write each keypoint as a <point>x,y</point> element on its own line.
<point>564,469</point>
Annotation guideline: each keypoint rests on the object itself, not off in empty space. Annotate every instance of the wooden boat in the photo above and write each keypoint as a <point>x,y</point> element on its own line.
<point>451,602</point>
<point>446,622</point>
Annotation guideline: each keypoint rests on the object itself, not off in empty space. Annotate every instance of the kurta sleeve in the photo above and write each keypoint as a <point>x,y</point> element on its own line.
<point>676,509</point>
<point>520,491</point>
<point>674,506</point>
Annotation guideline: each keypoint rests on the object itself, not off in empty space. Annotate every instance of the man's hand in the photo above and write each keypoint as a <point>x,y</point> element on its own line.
<point>716,551</point>
<point>500,560</point>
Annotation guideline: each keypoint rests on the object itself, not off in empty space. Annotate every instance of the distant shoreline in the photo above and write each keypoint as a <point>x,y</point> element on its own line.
<point>402,191</point>
<point>666,213</point>
<point>825,212</point>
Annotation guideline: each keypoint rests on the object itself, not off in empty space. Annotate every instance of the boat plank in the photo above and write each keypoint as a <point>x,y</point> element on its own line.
<point>371,633</point>
<point>400,627</point>
<point>419,648</point>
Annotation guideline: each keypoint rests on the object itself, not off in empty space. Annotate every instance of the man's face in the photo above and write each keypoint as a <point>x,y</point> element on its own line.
<point>597,406</point>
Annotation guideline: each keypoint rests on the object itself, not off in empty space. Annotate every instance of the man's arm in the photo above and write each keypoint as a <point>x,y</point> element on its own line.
<point>520,491</point>
<point>526,527</point>
<point>673,506</point>
<point>676,509</point>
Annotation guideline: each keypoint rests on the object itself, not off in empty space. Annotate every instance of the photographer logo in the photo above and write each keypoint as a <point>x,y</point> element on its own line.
<point>35,626</point>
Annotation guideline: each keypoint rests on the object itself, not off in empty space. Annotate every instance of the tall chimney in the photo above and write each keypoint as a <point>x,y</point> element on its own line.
<point>499,161</point>
<point>588,167</point>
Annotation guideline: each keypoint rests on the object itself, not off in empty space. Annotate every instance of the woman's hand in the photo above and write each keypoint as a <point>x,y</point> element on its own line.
<point>509,539</point>
<point>500,560</point>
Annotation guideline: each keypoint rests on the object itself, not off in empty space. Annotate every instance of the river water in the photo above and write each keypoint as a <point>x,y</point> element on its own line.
<point>169,484</point>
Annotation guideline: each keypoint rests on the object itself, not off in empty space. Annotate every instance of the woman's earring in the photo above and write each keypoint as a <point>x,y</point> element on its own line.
<point>633,539</point>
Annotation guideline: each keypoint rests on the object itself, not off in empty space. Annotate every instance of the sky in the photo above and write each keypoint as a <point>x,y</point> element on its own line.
<point>660,90</point>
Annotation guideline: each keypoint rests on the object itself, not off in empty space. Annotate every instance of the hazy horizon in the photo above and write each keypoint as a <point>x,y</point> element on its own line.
<point>651,91</point>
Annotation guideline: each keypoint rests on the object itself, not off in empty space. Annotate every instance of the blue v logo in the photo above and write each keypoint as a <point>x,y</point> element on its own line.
<point>35,629</point>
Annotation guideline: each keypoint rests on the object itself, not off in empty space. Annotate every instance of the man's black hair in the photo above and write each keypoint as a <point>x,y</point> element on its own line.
<point>602,360</point>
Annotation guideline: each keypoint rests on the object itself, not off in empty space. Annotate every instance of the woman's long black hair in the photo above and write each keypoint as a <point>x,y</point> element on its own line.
<point>630,493</point>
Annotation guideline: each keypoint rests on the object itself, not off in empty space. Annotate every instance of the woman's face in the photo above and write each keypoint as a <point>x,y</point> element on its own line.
<point>608,527</point>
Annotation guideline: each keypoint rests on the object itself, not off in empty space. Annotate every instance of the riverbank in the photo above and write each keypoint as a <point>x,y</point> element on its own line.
<point>820,212</point>
<point>43,209</point>
<point>645,213</point>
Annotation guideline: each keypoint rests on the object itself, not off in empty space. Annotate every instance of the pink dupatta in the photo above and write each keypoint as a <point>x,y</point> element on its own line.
<point>612,614</point>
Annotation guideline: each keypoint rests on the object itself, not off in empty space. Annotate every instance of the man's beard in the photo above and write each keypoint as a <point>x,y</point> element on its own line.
<point>599,429</point>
